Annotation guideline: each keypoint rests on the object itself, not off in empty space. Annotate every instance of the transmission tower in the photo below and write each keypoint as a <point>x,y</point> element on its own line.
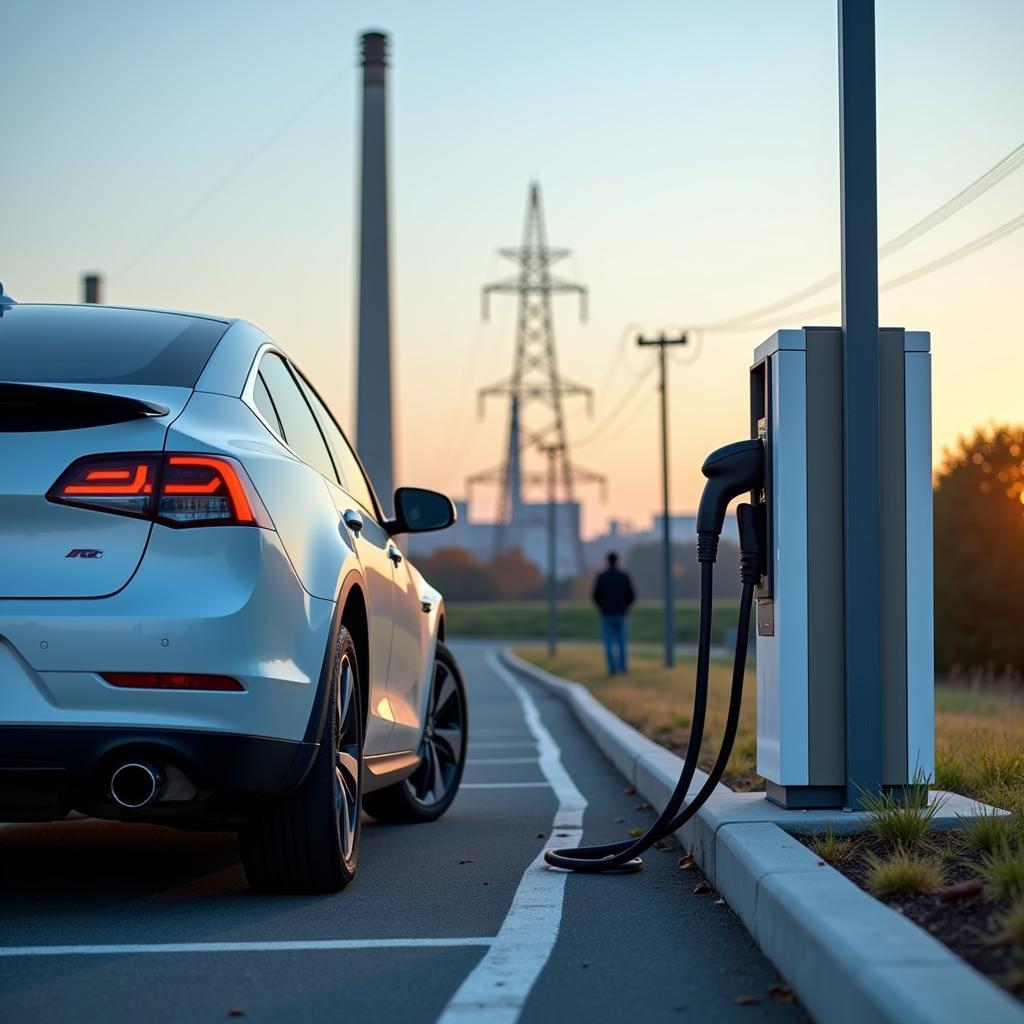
<point>535,388</point>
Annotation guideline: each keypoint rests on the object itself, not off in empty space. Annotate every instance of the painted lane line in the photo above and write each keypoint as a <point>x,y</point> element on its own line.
<point>497,988</point>
<point>502,743</point>
<point>500,760</point>
<point>238,947</point>
<point>505,785</point>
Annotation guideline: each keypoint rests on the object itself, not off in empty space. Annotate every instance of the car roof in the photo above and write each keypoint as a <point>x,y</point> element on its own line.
<point>90,309</point>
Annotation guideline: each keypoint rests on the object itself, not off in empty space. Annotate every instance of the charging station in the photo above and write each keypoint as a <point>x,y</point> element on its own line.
<point>796,411</point>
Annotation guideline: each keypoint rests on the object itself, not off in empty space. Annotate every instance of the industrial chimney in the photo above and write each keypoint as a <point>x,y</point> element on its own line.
<point>374,432</point>
<point>91,285</point>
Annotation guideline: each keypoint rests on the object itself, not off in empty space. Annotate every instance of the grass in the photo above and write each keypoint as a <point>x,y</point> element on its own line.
<point>901,821</point>
<point>979,728</point>
<point>987,831</point>
<point>577,620</point>
<point>831,848</point>
<point>1003,872</point>
<point>1011,924</point>
<point>658,701</point>
<point>902,873</point>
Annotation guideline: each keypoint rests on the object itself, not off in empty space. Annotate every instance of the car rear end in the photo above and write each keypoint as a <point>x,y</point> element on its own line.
<point>151,625</point>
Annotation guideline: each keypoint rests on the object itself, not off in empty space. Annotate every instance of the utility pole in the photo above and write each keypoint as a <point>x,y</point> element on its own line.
<point>666,532</point>
<point>552,452</point>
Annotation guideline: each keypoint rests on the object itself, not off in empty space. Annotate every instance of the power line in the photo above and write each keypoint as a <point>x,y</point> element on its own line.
<point>233,173</point>
<point>995,174</point>
<point>977,244</point>
<point>609,420</point>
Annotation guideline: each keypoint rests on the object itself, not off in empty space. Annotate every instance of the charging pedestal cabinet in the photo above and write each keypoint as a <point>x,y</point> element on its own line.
<point>796,409</point>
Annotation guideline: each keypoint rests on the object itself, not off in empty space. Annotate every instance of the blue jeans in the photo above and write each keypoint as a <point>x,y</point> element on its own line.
<point>613,632</point>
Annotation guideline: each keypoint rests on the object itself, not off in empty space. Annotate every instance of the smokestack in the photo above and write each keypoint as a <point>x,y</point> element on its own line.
<point>374,433</point>
<point>91,285</point>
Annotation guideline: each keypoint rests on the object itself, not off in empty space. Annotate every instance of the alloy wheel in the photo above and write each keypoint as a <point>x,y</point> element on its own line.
<point>443,740</point>
<point>347,782</point>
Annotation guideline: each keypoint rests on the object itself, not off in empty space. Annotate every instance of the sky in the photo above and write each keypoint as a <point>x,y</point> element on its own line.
<point>687,152</point>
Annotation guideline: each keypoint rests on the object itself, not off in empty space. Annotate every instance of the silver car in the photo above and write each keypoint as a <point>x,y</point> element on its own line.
<point>205,618</point>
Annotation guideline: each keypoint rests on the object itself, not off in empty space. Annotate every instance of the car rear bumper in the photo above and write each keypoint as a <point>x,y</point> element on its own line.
<point>46,771</point>
<point>221,601</point>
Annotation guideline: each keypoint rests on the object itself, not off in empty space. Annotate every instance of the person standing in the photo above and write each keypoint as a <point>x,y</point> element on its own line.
<point>613,595</point>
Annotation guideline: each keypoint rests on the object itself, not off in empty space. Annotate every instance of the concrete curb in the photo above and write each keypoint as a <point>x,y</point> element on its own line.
<point>849,958</point>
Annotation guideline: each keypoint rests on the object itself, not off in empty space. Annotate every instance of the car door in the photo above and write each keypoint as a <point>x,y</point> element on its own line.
<point>283,403</point>
<point>407,668</point>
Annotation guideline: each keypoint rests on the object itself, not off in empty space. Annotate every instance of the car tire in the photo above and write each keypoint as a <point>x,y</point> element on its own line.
<point>429,791</point>
<point>308,842</point>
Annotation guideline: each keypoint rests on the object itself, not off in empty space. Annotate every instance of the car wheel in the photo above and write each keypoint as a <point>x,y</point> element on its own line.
<point>429,791</point>
<point>308,842</point>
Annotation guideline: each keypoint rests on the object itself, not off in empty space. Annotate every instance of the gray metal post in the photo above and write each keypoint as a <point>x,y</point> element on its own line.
<point>552,455</point>
<point>669,624</point>
<point>92,288</point>
<point>862,517</point>
<point>374,432</point>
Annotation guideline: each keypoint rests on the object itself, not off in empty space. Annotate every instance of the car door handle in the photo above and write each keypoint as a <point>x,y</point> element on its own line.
<point>395,555</point>
<point>353,520</point>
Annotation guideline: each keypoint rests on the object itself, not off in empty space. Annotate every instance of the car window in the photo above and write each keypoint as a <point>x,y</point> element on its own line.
<point>352,477</point>
<point>105,345</point>
<point>301,433</point>
<point>265,404</point>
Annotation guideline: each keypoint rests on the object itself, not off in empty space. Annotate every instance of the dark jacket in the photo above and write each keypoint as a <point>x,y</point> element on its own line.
<point>613,592</point>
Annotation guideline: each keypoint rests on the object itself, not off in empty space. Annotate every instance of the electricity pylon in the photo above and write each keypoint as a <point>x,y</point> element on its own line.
<point>535,388</point>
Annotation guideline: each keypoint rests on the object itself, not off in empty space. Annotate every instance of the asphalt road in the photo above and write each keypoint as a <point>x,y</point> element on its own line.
<point>452,920</point>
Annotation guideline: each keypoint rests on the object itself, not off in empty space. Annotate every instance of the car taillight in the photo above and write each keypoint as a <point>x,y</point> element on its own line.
<point>176,489</point>
<point>172,681</point>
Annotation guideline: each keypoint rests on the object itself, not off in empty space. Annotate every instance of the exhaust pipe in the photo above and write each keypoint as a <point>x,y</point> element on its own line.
<point>136,784</point>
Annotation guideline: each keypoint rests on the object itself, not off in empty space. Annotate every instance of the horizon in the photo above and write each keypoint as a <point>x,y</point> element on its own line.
<point>223,179</point>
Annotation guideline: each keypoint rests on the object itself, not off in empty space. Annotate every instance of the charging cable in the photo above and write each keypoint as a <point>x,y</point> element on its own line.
<point>729,471</point>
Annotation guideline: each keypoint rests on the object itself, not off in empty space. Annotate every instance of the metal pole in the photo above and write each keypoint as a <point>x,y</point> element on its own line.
<point>668,626</point>
<point>862,517</point>
<point>666,530</point>
<point>552,454</point>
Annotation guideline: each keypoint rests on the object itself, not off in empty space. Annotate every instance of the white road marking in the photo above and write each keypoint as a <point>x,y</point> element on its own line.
<point>238,947</point>
<point>505,785</point>
<point>501,760</point>
<point>502,743</point>
<point>497,988</point>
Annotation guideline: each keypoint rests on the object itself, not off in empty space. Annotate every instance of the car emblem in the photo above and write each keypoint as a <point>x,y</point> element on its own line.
<point>85,553</point>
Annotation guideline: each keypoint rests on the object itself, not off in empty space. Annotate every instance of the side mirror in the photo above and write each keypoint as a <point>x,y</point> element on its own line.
<point>420,511</point>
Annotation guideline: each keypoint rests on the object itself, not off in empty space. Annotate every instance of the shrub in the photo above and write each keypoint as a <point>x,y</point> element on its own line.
<point>987,831</point>
<point>832,848</point>
<point>950,771</point>
<point>1003,872</point>
<point>901,821</point>
<point>903,873</point>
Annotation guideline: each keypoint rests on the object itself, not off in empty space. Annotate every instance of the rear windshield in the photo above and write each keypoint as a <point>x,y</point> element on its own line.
<point>104,345</point>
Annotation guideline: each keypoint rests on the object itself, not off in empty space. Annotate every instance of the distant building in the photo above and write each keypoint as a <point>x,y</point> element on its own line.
<point>622,538</point>
<point>527,531</point>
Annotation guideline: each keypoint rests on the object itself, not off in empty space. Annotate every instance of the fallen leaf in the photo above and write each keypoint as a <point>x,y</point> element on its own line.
<point>686,862</point>
<point>747,1000</point>
<point>467,861</point>
<point>236,1011</point>
<point>719,902</point>
<point>961,891</point>
<point>644,806</point>
<point>618,821</point>
<point>702,887</point>
<point>542,835</point>
<point>629,791</point>
<point>782,994</point>
<point>659,845</point>
<point>636,832</point>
